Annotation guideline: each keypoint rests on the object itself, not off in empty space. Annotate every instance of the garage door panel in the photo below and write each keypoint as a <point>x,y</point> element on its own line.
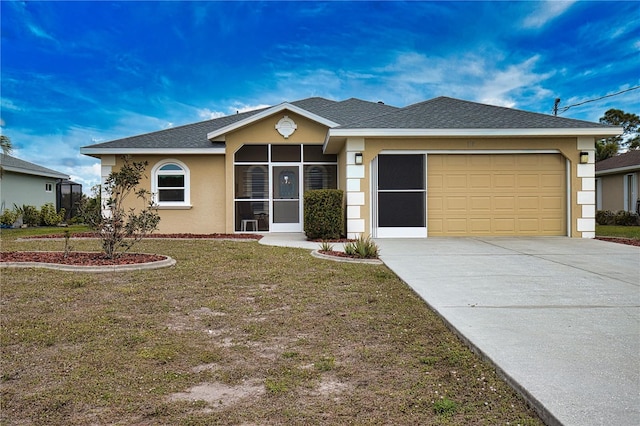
<point>504,181</point>
<point>480,203</point>
<point>504,194</point>
<point>504,203</point>
<point>456,204</point>
<point>529,181</point>
<point>481,181</point>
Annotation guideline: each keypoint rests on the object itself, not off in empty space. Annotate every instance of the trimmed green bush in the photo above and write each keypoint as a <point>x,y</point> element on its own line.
<point>621,218</point>
<point>605,217</point>
<point>625,218</point>
<point>323,214</point>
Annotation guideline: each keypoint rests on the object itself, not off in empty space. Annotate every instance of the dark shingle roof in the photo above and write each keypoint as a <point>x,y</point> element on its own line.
<point>194,135</point>
<point>353,110</point>
<point>438,113</point>
<point>628,159</point>
<point>449,113</point>
<point>17,165</point>
<point>187,136</point>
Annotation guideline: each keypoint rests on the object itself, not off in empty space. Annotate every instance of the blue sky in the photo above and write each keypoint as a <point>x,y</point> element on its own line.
<point>77,73</point>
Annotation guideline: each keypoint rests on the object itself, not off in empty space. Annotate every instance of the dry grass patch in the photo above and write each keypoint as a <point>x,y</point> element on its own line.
<point>235,333</point>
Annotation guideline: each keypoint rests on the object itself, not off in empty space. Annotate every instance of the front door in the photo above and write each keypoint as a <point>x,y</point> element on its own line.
<point>285,191</point>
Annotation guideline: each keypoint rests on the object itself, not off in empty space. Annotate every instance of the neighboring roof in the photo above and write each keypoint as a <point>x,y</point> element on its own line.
<point>628,161</point>
<point>441,116</point>
<point>16,165</point>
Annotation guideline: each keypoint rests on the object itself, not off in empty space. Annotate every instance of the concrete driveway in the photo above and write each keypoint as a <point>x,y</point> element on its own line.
<point>558,317</point>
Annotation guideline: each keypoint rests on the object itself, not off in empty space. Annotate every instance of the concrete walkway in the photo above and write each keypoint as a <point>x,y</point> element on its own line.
<point>558,317</point>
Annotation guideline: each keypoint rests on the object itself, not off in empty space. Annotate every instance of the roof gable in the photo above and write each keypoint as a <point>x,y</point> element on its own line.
<point>16,165</point>
<point>218,134</point>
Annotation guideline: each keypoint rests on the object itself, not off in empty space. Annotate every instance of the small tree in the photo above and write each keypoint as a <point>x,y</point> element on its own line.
<point>121,228</point>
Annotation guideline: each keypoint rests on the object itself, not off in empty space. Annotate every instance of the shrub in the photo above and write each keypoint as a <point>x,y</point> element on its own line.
<point>48,215</point>
<point>605,217</point>
<point>30,214</point>
<point>363,247</point>
<point>625,218</point>
<point>323,214</point>
<point>8,217</point>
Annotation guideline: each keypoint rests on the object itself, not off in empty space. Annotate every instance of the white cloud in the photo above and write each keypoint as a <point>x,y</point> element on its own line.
<point>247,108</point>
<point>207,114</point>
<point>546,12</point>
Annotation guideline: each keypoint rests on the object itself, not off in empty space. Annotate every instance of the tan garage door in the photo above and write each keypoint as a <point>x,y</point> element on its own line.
<point>497,194</point>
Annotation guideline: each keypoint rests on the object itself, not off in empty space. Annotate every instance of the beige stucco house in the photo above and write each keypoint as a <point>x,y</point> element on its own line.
<point>617,182</point>
<point>443,167</point>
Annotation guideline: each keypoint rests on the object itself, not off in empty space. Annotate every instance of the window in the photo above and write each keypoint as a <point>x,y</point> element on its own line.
<point>170,184</point>
<point>48,187</point>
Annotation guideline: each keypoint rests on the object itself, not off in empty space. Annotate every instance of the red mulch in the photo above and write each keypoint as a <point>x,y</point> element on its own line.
<point>628,241</point>
<point>77,258</point>
<point>185,236</point>
<point>337,254</point>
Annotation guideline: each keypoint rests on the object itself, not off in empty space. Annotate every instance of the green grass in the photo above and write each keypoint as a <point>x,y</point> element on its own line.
<point>618,231</point>
<point>323,342</point>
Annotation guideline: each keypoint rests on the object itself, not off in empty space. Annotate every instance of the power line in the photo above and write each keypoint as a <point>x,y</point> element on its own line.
<point>565,109</point>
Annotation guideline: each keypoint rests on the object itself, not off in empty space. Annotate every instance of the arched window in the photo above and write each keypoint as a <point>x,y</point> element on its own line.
<point>170,183</point>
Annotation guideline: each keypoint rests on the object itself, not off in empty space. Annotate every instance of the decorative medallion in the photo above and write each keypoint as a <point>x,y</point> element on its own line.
<point>286,126</point>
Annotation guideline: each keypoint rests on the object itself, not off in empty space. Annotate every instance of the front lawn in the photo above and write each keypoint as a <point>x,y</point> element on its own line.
<point>235,333</point>
<point>618,231</point>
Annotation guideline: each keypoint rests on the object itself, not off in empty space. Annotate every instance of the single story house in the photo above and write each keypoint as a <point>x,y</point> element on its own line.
<point>443,167</point>
<point>617,182</point>
<point>25,183</point>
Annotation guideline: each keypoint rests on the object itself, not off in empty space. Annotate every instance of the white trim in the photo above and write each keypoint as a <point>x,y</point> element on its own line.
<point>266,113</point>
<point>184,204</point>
<point>154,151</point>
<point>618,170</point>
<point>630,193</point>
<point>373,132</point>
<point>567,172</point>
<point>388,232</point>
<point>469,151</point>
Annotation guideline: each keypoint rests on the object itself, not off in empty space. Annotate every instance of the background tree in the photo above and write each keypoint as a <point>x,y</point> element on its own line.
<point>5,143</point>
<point>630,138</point>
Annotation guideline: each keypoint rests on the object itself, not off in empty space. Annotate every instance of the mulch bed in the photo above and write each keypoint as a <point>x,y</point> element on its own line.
<point>628,241</point>
<point>78,258</point>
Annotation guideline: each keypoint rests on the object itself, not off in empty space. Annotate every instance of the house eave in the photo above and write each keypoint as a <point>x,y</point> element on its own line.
<point>97,152</point>
<point>596,132</point>
<point>35,173</point>
<point>218,135</point>
<point>335,137</point>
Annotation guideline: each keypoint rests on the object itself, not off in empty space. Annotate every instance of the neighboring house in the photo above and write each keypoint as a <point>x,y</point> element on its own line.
<point>24,183</point>
<point>444,167</point>
<point>617,182</point>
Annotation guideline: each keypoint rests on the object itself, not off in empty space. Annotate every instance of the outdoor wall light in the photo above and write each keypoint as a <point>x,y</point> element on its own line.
<point>584,157</point>
<point>358,158</point>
